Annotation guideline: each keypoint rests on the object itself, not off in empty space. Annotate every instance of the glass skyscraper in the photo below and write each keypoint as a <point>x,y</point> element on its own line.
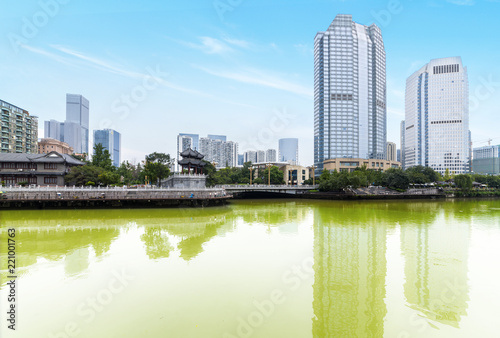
<point>110,140</point>
<point>289,150</point>
<point>437,117</point>
<point>76,126</point>
<point>349,92</point>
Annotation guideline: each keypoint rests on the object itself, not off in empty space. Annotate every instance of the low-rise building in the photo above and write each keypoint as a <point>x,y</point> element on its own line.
<point>39,169</point>
<point>47,145</point>
<point>486,160</point>
<point>349,164</point>
<point>292,174</point>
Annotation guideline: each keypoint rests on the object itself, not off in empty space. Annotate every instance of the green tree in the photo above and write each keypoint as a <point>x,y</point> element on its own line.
<point>109,178</point>
<point>102,158</point>
<point>463,182</point>
<point>447,175</point>
<point>276,175</point>
<point>157,167</point>
<point>396,179</point>
<point>80,175</point>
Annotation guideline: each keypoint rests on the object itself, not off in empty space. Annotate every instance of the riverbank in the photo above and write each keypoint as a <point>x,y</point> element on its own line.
<point>81,198</point>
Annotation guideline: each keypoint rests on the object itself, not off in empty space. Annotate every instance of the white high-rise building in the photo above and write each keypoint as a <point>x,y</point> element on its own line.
<point>437,117</point>
<point>251,156</point>
<point>391,153</point>
<point>271,155</point>
<point>222,153</point>
<point>261,156</point>
<point>349,92</point>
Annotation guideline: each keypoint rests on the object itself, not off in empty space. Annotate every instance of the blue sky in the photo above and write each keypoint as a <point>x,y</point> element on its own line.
<point>240,68</point>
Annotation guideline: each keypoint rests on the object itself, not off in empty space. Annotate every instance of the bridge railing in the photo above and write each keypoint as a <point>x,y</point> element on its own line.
<point>267,187</point>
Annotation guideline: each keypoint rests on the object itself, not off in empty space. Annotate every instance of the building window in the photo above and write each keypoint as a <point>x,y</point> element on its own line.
<point>50,165</point>
<point>8,165</point>
<point>50,180</point>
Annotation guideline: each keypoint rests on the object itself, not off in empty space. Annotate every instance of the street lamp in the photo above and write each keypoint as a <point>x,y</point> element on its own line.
<point>269,165</point>
<point>314,174</point>
<point>250,168</point>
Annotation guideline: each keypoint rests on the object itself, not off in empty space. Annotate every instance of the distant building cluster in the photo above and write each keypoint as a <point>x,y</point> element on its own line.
<point>215,148</point>
<point>260,156</point>
<point>111,141</point>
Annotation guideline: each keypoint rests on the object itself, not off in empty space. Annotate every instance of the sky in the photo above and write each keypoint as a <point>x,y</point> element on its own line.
<point>241,68</point>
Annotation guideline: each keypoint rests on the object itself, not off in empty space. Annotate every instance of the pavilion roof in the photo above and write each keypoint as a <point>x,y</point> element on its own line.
<point>190,153</point>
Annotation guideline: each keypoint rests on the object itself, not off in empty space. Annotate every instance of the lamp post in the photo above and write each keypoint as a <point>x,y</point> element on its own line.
<point>250,168</point>
<point>314,174</point>
<point>269,165</point>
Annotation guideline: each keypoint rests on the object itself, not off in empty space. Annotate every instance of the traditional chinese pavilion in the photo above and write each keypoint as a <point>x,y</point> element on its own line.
<point>192,159</point>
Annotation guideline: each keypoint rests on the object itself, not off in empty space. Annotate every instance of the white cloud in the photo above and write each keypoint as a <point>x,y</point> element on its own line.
<point>261,78</point>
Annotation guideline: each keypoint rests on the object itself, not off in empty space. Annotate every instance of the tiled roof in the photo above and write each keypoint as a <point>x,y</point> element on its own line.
<point>52,157</point>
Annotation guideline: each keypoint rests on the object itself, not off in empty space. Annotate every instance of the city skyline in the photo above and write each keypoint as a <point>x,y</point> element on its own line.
<point>259,73</point>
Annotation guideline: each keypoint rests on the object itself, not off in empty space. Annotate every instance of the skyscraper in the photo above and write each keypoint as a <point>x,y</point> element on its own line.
<point>222,153</point>
<point>289,150</point>
<point>349,92</point>
<point>271,155</point>
<point>391,152</point>
<point>110,140</point>
<point>76,126</point>
<point>402,140</point>
<point>437,117</point>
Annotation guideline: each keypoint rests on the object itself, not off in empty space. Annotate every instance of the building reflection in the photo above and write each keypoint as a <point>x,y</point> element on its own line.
<point>349,272</point>
<point>436,269</point>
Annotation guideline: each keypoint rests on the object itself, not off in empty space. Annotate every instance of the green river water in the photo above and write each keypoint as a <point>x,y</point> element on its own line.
<point>281,268</point>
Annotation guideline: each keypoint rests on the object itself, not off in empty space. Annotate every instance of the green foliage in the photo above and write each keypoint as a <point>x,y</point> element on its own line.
<point>463,182</point>
<point>109,178</point>
<point>157,167</point>
<point>276,176</point>
<point>23,183</point>
<point>102,158</point>
<point>80,175</point>
<point>396,179</point>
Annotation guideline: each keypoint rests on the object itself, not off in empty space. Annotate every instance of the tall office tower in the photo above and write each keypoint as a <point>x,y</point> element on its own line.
<point>391,152</point>
<point>437,117</point>
<point>54,129</point>
<point>349,92</point>
<point>222,153</point>
<point>110,140</point>
<point>76,126</point>
<point>271,155</point>
<point>398,155</point>
<point>241,159</point>
<point>402,140</point>
<point>217,137</point>
<point>19,130</point>
<point>289,150</point>
<point>486,160</point>
<point>261,156</point>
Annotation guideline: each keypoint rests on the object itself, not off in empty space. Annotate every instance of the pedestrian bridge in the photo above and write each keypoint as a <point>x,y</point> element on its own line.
<point>262,188</point>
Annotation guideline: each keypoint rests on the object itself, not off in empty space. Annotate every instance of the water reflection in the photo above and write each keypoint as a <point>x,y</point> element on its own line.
<point>350,269</point>
<point>436,263</point>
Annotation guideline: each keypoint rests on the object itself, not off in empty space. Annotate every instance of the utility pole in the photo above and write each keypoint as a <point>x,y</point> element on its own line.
<point>269,165</point>
<point>250,174</point>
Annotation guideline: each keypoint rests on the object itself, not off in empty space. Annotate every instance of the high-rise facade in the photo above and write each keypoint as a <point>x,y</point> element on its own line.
<point>349,92</point>
<point>486,160</point>
<point>271,155</point>
<point>222,153</point>
<point>402,141</point>
<point>261,156</point>
<point>76,126</point>
<point>19,130</point>
<point>54,129</point>
<point>391,152</point>
<point>110,140</point>
<point>251,156</point>
<point>288,150</point>
<point>437,117</point>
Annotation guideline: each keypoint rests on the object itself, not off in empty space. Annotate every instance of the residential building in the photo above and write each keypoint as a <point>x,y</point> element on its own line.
<point>391,152</point>
<point>437,117</point>
<point>221,153</point>
<point>111,141</point>
<point>289,150</point>
<point>349,164</point>
<point>271,155</point>
<point>486,160</point>
<point>349,92</point>
<point>40,169</point>
<point>261,156</point>
<point>251,156</point>
<point>47,145</point>
<point>195,140</point>
<point>184,142</point>
<point>19,130</point>
<point>402,140</point>
<point>76,126</point>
